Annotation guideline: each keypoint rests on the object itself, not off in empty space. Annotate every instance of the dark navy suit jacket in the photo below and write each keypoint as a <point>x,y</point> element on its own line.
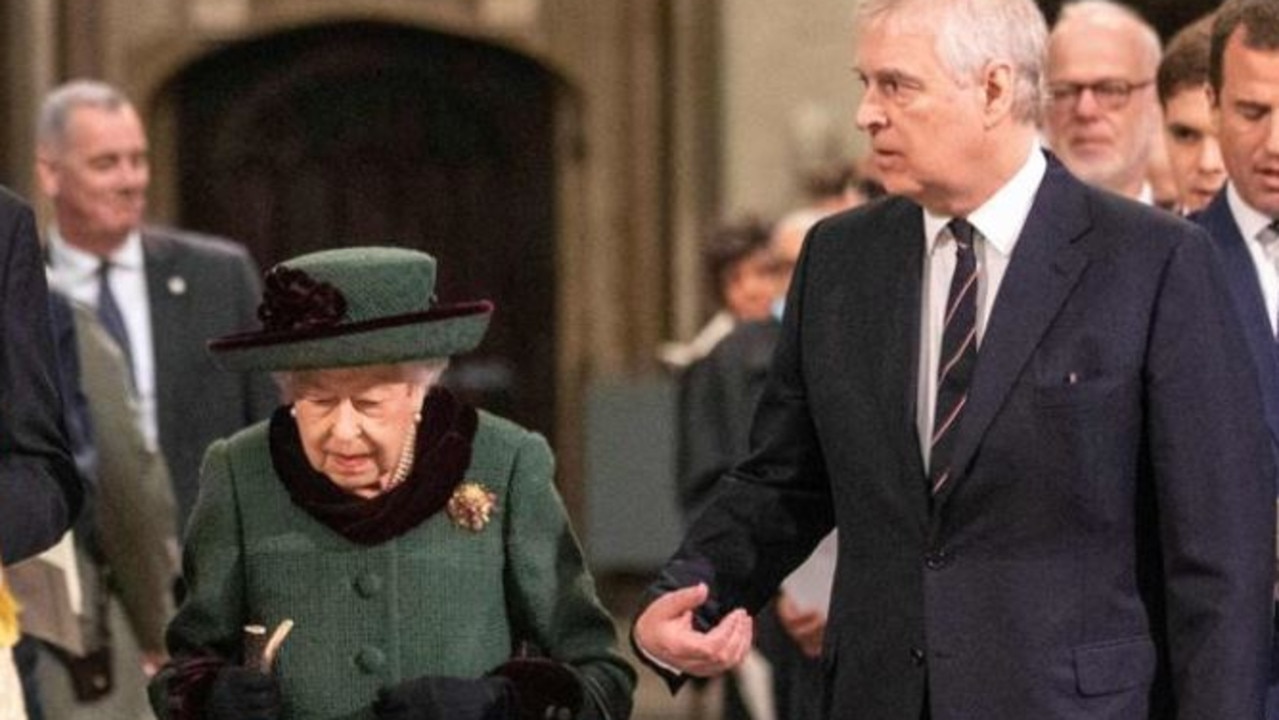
<point>200,287</point>
<point>40,490</point>
<point>1250,308</point>
<point>1105,550</point>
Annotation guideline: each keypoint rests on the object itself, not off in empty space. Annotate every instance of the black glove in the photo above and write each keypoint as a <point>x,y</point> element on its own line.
<point>433,697</point>
<point>240,693</point>
<point>544,689</point>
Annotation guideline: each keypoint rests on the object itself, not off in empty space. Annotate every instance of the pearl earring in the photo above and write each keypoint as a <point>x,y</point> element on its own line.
<point>293,410</point>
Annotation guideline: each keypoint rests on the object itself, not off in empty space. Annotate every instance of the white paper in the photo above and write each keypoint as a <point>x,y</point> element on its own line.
<point>810,585</point>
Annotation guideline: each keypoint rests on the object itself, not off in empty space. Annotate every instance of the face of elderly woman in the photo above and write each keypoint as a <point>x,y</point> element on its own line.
<point>355,422</point>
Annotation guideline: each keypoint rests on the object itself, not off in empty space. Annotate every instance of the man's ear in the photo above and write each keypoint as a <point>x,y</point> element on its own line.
<point>47,172</point>
<point>998,86</point>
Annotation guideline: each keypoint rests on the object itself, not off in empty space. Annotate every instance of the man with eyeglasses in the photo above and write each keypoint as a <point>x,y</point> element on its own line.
<point>1102,115</point>
<point>1243,219</point>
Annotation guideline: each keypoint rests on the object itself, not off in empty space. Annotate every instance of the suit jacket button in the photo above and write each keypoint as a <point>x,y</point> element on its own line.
<point>936,560</point>
<point>368,584</point>
<point>370,659</point>
<point>917,657</point>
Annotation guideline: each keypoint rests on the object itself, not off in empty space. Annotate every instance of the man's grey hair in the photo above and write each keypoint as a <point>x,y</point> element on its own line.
<point>973,33</point>
<point>417,372</point>
<point>55,111</point>
<point>1103,11</point>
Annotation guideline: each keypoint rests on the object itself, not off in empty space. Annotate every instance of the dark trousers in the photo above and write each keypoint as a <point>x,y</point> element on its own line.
<point>25,657</point>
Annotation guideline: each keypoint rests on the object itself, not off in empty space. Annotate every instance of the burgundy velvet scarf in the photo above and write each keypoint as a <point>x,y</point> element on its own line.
<point>443,453</point>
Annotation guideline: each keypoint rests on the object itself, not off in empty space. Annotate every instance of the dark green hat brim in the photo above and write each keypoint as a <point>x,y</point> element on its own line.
<point>438,333</point>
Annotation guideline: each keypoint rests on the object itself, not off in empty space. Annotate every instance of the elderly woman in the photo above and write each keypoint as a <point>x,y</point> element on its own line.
<point>417,546</point>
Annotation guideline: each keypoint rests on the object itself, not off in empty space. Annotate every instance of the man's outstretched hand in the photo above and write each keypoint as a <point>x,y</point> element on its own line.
<point>665,632</point>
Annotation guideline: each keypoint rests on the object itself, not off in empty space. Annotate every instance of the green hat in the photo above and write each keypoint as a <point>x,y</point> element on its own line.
<point>353,306</point>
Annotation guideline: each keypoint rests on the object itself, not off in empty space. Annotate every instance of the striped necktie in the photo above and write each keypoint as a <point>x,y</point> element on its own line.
<point>958,354</point>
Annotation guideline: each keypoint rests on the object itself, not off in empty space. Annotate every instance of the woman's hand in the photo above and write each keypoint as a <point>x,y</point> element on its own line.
<point>665,632</point>
<point>240,693</point>
<point>543,688</point>
<point>434,697</point>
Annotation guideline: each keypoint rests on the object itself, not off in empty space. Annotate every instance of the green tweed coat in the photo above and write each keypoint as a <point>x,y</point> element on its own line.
<point>437,600</point>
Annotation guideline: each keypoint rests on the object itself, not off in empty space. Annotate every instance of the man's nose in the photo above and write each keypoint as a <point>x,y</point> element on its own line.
<point>869,116</point>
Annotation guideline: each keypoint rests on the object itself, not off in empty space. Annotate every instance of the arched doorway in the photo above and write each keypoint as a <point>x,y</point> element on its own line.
<point>360,133</point>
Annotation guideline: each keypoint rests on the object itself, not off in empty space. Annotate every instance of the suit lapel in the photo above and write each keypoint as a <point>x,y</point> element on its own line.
<point>899,391</point>
<point>1250,305</point>
<point>160,267</point>
<point>1044,268</point>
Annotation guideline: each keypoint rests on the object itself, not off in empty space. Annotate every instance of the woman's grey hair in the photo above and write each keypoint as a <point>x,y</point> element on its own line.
<point>55,111</point>
<point>418,372</point>
<point>973,33</point>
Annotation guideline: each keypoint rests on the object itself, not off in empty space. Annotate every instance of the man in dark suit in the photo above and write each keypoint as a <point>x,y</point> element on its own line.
<point>1024,404</point>
<point>1244,217</point>
<point>40,490</point>
<point>169,291</point>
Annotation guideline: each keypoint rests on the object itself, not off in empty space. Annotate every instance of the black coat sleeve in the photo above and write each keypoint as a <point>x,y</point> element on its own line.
<point>40,490</point>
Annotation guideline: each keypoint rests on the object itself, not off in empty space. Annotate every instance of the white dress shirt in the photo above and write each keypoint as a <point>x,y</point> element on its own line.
<point>75,272</point>
<point>998,223</point>
<point>1251,222</point>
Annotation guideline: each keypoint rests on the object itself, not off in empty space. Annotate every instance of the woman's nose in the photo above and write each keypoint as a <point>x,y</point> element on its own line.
<point>346,426</point>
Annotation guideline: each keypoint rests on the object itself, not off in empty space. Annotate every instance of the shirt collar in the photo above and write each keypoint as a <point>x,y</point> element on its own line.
<point>1001,218</point>
<point>1146,195</point>
<point>127,256</point>
<point>1250,220</point>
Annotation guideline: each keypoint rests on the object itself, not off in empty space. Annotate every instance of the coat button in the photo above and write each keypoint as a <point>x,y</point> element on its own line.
<point>370,659</point>
<point>936,560</point>
<point>917,656</point>
<point>368,584</point>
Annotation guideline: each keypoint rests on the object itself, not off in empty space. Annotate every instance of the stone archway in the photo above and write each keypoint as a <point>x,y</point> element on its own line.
<point>361,132</point>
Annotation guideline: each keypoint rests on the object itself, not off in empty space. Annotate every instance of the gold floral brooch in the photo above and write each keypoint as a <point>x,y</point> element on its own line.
<point>472,506</point>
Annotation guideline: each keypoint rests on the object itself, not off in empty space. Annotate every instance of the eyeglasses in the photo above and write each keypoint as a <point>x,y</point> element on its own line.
<point>1109,94</point>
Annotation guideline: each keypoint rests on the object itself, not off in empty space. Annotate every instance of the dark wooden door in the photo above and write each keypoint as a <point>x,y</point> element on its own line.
<point>375,134</point>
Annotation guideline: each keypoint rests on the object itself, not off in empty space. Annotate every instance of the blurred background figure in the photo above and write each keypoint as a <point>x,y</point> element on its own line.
<point>98,652</point>
<point>145,300</point>
<point>1189,133</point>
<point>839,185</point>
<point>1102,117</point>
<point>160,293</point>
<point>740,269</point>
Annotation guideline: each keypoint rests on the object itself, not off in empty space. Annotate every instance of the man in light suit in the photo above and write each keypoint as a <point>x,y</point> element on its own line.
<point>40,491</point>
<point>1024,404</point>
<point>174,290</point>
<point>1243,72</point>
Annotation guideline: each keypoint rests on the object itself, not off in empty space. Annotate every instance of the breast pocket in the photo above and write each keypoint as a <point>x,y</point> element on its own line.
<point>1087,434</point>
<point>1080,394</point>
